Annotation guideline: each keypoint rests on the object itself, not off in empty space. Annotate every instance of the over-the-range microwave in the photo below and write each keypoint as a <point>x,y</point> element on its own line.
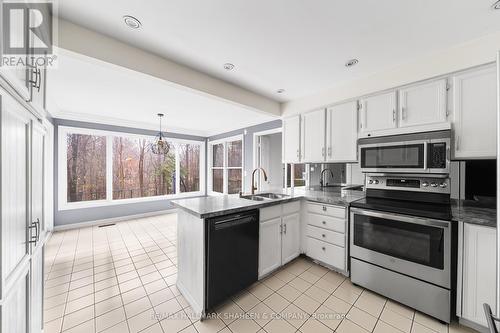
<point>427,152</point>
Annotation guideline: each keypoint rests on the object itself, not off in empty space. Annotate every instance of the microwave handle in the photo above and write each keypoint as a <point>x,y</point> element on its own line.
<point>426,146</point>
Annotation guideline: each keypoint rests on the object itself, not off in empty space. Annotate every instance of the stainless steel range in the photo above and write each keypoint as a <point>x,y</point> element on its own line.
<point>403,241</point>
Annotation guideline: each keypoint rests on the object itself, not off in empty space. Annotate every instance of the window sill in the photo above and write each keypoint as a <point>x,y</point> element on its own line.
<point>104,203</point>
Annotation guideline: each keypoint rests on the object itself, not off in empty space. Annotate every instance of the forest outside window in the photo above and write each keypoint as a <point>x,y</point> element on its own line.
<point>100,168</point>
<point>226,168</point>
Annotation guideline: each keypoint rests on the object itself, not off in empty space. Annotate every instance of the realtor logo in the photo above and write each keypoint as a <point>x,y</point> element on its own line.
<point>27,28</point>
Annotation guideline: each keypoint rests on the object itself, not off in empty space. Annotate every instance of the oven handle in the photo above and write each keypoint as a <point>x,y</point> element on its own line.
<point>402,218</point>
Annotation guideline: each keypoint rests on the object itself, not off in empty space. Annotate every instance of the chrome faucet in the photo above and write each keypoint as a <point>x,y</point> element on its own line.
<point>253,181</point>
<point>321,176</point>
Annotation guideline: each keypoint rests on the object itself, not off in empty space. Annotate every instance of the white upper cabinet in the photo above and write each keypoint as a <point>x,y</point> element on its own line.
<point>378,114</point>
<point>474,109</point>
<point>342,132</point>
<point>291,139</point>
<point>313,136</point>
<point>423,104</point>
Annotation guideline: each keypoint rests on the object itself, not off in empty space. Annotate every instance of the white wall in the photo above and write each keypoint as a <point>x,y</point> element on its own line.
<point>474,53</point>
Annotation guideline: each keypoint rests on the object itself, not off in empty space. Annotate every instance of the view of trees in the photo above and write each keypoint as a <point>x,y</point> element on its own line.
<point>86,167</point>
<point>136,171</point>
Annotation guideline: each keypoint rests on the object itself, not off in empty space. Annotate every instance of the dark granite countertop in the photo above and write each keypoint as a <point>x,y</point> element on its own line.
<point>210,206</point>
<point>468,211</point>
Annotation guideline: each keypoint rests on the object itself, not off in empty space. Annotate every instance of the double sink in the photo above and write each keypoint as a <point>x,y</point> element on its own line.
<point>264,196</point>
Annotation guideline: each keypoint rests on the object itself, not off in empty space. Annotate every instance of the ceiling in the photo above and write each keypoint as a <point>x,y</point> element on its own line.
<point>296,45</point>
<point>86,89</point>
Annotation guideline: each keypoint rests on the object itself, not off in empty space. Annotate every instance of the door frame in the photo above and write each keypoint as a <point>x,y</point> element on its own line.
<point>255,153</point>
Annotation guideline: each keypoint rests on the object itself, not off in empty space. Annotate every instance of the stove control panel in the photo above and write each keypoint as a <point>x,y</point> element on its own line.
<point>417,183</point>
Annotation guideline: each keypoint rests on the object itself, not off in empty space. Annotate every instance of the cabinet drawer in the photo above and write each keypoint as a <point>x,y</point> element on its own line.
<point>326,222</point>
<point>327,253</point>
<point>338,212</point>
<point>328,236</point>
<point>269,213</point>
<point>291,207</point>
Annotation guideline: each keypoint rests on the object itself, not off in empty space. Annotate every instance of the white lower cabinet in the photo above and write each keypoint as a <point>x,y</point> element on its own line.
<point>478,272</point>
<point>36,290</point>
<point>279,236</point>
<point>326,235</point>
<point>15,310</point>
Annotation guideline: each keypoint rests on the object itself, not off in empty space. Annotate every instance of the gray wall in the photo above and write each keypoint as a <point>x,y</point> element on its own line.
<point>248,145</point>
<point>65,217</point>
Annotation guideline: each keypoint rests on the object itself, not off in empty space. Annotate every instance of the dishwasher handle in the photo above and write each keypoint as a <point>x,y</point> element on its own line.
<point>234,221</point>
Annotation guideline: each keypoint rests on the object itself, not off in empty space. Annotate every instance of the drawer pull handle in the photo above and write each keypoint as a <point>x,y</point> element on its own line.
<point>323,235</point>
<point>324,222</point>
<point>324,208</point>
<point>323,248</point>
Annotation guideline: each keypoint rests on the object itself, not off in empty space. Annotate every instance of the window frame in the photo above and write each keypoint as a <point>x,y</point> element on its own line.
<point>62,175</point>
<point>225,167</point>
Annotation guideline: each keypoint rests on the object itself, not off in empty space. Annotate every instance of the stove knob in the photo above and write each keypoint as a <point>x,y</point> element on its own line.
<point>376,182</point>
<point>434,184</point>
<point>443,185</point>
<point>425,184</point>
<point>370,181</point>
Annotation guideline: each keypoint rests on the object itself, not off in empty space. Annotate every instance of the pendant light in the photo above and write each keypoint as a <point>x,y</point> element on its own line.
<point>160,145</point>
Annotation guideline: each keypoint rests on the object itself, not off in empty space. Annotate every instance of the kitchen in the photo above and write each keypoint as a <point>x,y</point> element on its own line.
<point>159,175</point>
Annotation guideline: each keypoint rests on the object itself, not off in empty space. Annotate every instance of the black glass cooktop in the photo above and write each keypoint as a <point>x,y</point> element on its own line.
<point>438,211</point>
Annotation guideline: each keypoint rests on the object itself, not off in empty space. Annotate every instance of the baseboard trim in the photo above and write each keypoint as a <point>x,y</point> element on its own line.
<point>112,220</point>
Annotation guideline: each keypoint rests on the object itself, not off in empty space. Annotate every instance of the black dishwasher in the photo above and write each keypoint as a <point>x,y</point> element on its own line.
<point>232,255</point>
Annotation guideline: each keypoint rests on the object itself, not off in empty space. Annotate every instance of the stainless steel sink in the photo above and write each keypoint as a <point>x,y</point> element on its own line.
<point>273,196</point>
<point>264,196</point>
<point>252,197</point>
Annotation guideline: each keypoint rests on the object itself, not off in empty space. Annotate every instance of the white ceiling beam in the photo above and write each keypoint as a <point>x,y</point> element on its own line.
<point>81,40</point>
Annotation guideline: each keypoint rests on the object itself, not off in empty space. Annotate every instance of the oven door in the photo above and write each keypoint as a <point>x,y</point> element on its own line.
<point>408,156</point>
<point>418,247</point>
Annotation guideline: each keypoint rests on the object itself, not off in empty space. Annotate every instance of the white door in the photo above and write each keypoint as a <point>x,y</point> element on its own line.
<point>37,181</point>
<point>269,246</point>
<point>15,132</point>
<point>15,306</point>
<point>342,132</point>
<point>475,112</point>
<point>479,276</point>
<point>378,113</point>
<point>36,284</point>
<point>291,139</point>
<point>291,237</point>
<point>423,104</point>
<point>313,136</point>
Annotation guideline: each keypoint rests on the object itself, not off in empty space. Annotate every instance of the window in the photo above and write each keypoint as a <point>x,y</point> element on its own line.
<point>226,171</point>
<point>298,176</point>
<point>101,168</point>
<point>86,167</point>
<point>138,173</point>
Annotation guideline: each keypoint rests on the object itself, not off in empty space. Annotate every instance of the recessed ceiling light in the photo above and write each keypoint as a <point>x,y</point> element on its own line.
<point>280,91</point>
<point>351,62</point>
<point>228,66</point>
<point>132,22</point>
<point>496,5</point>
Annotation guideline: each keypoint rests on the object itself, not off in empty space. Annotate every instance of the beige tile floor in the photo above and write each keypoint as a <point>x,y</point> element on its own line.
<point>122,279</point>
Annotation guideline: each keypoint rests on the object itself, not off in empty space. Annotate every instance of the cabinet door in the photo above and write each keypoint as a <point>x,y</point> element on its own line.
<point>36,284</point>
<point>423,104</point>
<point>269,246</point>
<point>342,132</point>
<point>291,139</point>
<point>37,180</point>
<point>378,113</point>
<point>15,306</point>
<point>475,111</point>
<point>15,132</point>
<point>291,237</point>
<point>313,136</point>
<point>479,262</point>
